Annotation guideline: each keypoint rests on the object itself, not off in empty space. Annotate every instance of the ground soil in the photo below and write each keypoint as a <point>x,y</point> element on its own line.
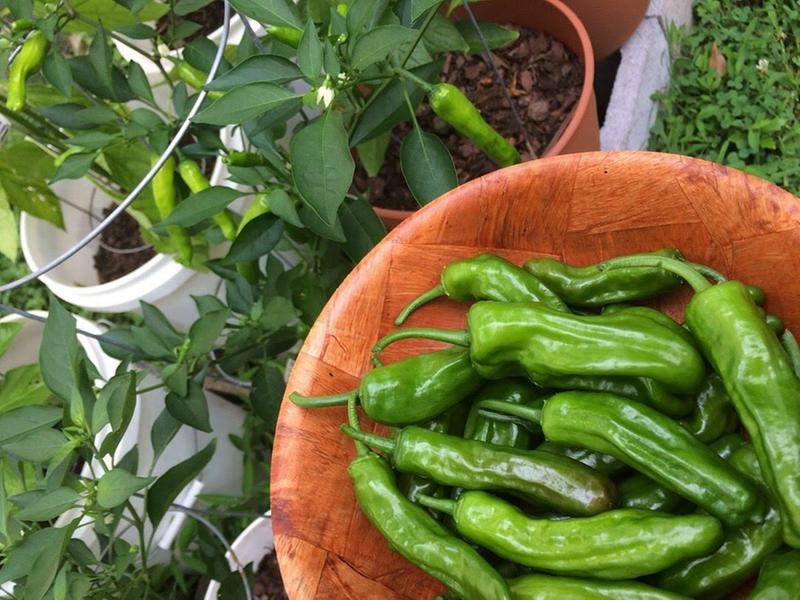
<point>543,79</point>
<point>269,585</point>
<point>123,233</point>
<point>210,17</point>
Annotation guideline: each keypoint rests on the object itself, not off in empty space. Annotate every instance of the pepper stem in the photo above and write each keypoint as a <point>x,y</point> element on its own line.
<point>321,401</point>
<point>422,299</point>
<point>352,417</point>
<point>456,337</point>
<point>673,265</point>
<point>370,439</point>
<point>515,410</point>
<point>440,504</point>
<point>707,271</point>
<point>418,80</point>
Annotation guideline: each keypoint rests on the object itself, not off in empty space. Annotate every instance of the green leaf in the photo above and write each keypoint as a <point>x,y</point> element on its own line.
<point>278,312</point>
<point>312,221</point>
<point>22,386</point>
<point>270,12</point>
<point>49,505</point>
<point>362,228</point>
<point>443,36</point>
<point>59,351</point>
<point>38,446</point>
<point>192,409</point>
<point>200,206</point>
<point>309,53</point>
<point>113,15</point>
<point>9,236</point>
<point>20,562</point>
<point>420,7</point>
<point>257,239</point>
<point>100,58</point>
<point>137,80</point>
<point>156,322</point>
<point>267,394</point>
<point>427,166</point>
<point>185,7</point>
<point>75,166</point>
<point>118,397</point>
<point>92,140</point>
<point>204,332</point>
<point>246,102</point>
<point>323,165</point>
<point>56,70</point>
<point>282,205</point>
<point>60,588</point>
<point>117,485</point>
<point>19,422</point>
<point>164,429</point>
<point>364,14</point>
<point>261,68</point>
<point>46,568</point>
<point>8,332</point>
<point>375,46</point>
<point>167,487</point>
<point>373,152</point>
<point>496,36</point>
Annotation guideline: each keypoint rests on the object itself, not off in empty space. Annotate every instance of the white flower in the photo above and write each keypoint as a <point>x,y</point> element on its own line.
<point>763,65</point>
<point>325,93</point>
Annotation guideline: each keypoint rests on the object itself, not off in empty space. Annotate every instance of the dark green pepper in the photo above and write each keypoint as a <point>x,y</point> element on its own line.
<point>757,374</point>
<point>590,286</point>
<point>618,544</point>
<point>778,578</point>
<point>486,277</point>
<point>548,587</point>
<point>27,62</point>
<point>656,446</point>
<point>417,536</point>
<point>539,477</point>
<point>727,445</point>
<point>603,463</point>
<point>529,339</point>
<point>713,415</point>
<point>792,349</point>
<point>503,432</point>
<point>639,491</point>
<point>412,390</point>
<point>236,158</point>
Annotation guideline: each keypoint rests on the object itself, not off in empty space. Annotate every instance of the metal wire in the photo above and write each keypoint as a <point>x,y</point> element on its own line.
<point>86,240</point>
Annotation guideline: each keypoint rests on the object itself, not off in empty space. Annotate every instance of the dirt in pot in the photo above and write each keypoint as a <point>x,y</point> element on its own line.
<point>269,585</point>
<point>209,18</point>
<point>544,80</point>
<point>111,261</point>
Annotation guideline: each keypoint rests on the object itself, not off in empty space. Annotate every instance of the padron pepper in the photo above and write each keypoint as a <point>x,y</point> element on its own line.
<point>778,578</point>
<point>603,463</point>
<point>639,491</point>
<point>196,180</point>
<point>27,62</point>
<point>549,587</point>
<point>485,277</point>
<point>503,432</point>
<point>163,187</point>
<point>548,346</point>
<point>538,477</point>
<point>792,350</point>
<point>713,415</point>
<point>592,287</point>
<point>412,390</point>
<point>618,544</point>
<point>757,373</point>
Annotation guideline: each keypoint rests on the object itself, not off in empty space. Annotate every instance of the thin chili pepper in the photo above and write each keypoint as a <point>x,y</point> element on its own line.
<point>713,415</point>
<point>549,587</point>
<point>602,463</point>
<point>27,62</point>
<point>778,578</point>
<point>235,158</point>
<point>757,374</point>
<point>539,477</point>
<point>643,542</point>
<point>792,349</point>
<point>285,34</point>
<point>196,180</point>
<point>503,433</point>
<point>163,187</point>
<point>260,206</point>
<point>485,277</point>
<point>639,491</point>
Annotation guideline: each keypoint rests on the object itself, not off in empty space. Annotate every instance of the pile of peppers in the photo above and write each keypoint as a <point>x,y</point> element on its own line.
<point>571,443</point>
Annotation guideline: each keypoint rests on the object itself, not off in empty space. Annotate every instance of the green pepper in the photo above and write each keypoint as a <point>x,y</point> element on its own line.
<point>163,186</point>
<point>260,206</point>
<point>502,432</point>
<point>548,587</point>
<point>450,422</point>
<point>412,390</point>
<point>590,286</point>
<point>639,491</point>
<point>194,77</point>
<point>21,25</point>
<point>757,374</point>
<point>235,158</point>
<point>485,277</point>
<point>778,578</point>
<point>27,62</point>
<point>656,446</point>
<point>603,463</point>
<point>713,415</point>
<point>417,536</point>
<point>539,477</point>
<point>655,315</point>
<point>792,349</point>
<point>618,544</point>
<point>458,111</point>
<point>727,445</point>
<point>515,339</point>
<point>194,178</point>
<point>285,34</point>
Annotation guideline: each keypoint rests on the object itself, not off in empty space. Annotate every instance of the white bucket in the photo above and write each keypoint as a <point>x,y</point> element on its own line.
<point>252,545</point>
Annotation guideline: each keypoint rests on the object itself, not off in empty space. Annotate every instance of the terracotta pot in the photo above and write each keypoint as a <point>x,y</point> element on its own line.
<point>609,24</point>
<point>581,132</point>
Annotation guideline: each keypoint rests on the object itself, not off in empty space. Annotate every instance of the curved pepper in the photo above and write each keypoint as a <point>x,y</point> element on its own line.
<point>163,186</point>
<point>539,477</point>
<point>590,286</point>
<point>639,491</point>
<point>516,339</point>
<point>602,463</point>
<point>656,315</point>
<point>548,587</point>
<point>194,77</point>
<point>792,349</point>
<point>502,432</point>
<point>485,277</point>
<point>27,62</point>
<point>285,34</point>
<point>236,158</point>
<point>412,390</point>
<point>643,542</point>
<point>196,180</point>
<point>656,446</point>
<point>417,536</point>
<point>713,415</point>
<point>757,374</point>
<point>778,578</point>
<point>727,445</point>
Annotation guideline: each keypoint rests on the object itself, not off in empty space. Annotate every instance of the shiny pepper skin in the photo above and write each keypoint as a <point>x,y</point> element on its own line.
<point>164,196</point>
<point>417,536</point>
<point>503,433</point>
<point>778,578</point>
<point>656,446</point>
<point>548,587</point>
<point>458,111</point>
<point>713,415</point>
<point>643,542</point>
<point>639,491</point>
<point>602,463</point>
<point>27,62</point>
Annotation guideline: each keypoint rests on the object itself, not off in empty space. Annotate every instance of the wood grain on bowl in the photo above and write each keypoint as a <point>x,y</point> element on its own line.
<point>582,208</point>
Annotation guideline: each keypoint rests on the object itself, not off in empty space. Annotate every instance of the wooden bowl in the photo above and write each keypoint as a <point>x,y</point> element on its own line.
<point>582,208</point>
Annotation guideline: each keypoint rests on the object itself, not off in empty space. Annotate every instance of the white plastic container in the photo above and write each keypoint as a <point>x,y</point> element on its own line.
<point>252,545</point>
